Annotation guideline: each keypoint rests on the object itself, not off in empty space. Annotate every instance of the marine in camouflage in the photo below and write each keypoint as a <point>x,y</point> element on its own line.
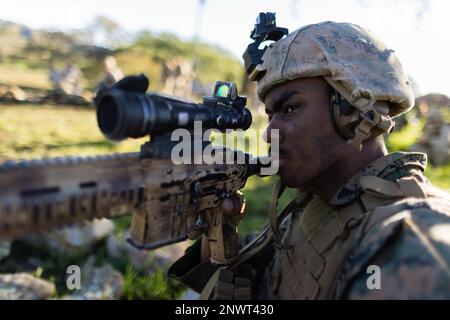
<point>387,217</point>
<point>406,236</point>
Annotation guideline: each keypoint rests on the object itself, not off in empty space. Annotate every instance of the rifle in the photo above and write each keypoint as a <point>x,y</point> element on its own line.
<point>169,202</point>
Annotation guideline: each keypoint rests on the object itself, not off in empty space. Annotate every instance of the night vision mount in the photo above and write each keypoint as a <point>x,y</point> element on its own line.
<point>265,30</point>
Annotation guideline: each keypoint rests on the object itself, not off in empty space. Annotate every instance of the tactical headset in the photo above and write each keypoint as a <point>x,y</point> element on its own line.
<point>352,123</point>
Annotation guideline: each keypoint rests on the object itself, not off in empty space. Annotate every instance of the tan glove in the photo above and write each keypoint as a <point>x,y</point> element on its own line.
<point>220,241</point>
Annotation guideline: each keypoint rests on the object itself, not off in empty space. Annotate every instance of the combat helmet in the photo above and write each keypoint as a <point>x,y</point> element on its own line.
<point>370,85</point>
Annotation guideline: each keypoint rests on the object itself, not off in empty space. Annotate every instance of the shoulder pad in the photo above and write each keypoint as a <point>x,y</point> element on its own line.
<point>402,188</point>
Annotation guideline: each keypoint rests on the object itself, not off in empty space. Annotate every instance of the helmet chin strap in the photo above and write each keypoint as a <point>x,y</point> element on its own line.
<point>368,119</point>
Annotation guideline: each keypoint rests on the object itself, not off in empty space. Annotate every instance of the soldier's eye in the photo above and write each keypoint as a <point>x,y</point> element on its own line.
<point>290,108</point>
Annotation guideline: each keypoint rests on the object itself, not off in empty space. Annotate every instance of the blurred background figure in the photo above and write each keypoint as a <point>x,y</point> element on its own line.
<point>70,79</point>
<point>66,85</point>
<point>112,72</point>
<point>435,140</point>
<point>177,77</point>
<point>183,82</point>
<point>54,77</point>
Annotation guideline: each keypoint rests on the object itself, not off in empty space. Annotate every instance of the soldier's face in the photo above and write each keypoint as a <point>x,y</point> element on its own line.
<point>309,143</point>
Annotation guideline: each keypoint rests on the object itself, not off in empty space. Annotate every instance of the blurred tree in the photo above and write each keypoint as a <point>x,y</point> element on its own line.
<point>107,33</point>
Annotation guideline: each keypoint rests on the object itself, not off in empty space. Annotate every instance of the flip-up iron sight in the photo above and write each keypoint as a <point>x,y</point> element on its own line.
<point>265,30</point>
<point>125,110</point>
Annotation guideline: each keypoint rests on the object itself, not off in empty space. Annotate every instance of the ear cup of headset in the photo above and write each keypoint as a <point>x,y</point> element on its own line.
<point>345,117</point>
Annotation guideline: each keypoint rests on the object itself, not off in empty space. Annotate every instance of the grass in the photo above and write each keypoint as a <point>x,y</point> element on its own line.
<point>406,137</point>
<point>137,285</point>
<point>440,176</point>
<point>24,77</point>
<point>403,139</point>
<point>53,265</point>
<point>28,131</point>
<point>153,286</point>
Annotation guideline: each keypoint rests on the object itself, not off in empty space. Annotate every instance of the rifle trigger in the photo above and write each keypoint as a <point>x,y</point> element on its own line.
<point>200,224</point>
<point>197,228</point>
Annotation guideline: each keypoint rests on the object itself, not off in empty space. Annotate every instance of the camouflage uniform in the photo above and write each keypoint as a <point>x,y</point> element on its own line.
<point>388,215</point>
<point>398,222</point>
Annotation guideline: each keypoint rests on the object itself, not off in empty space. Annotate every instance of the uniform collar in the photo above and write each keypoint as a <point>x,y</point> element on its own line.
<point>385,167</point>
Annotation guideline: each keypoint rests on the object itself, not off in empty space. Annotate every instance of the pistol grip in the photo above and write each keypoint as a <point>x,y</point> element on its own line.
<point>223,239</point>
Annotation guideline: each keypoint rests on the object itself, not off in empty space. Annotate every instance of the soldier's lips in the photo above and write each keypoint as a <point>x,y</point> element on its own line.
<point>283,154</point>
<point>280,160</point>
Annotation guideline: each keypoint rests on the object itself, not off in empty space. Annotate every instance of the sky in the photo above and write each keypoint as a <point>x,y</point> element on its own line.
<point>418,30</point>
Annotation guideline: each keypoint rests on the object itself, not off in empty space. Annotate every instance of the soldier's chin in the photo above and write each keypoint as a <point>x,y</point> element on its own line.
<point>293,180</point>
<point>288,180</point>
